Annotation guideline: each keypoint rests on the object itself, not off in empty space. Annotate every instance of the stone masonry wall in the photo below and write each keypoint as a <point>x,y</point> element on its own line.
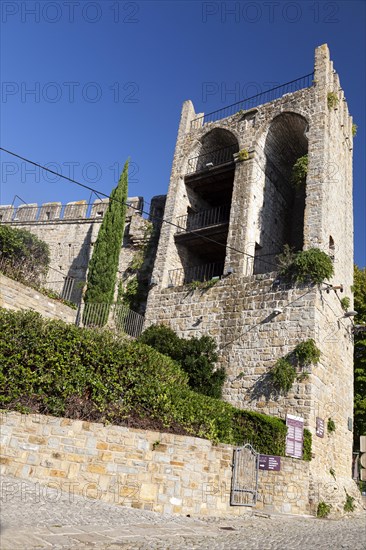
<point>16,296</point>
<point>238,313</point>
<point>143,469</point>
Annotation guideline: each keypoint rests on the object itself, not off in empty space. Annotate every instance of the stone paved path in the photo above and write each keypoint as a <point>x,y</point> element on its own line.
<point>33,517</point>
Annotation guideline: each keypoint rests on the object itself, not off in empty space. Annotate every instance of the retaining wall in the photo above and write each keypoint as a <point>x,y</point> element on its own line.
<point>143,469</point>
<point>16,296</point>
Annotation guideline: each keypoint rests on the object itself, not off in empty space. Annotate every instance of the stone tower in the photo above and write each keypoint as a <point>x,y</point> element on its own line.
<point>232,208</point>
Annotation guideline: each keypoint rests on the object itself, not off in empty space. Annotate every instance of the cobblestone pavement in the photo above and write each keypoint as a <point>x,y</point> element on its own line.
<point>33,517</point>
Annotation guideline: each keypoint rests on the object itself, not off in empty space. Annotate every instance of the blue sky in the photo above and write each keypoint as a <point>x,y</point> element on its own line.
<point>87,84</point>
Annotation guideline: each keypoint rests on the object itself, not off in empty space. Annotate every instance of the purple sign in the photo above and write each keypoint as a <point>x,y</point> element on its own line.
<point>270,462</point>
<point>319,427</point>
<point>295,436</point>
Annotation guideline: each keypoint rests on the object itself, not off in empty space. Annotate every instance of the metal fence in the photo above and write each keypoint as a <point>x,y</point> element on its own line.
<point>117,317</point>
<point>258,99</point>
<point>205,218</point>
<point>212,158</point>
<point>201,273</point>
<point>67,289</point>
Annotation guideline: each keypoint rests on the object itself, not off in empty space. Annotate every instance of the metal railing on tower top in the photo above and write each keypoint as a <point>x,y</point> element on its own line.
<point>258,99</point>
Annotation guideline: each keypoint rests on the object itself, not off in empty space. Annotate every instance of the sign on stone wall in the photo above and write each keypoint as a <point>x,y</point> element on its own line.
<point>295,436</point>
<point>319,427</point>
<point>270,462</point>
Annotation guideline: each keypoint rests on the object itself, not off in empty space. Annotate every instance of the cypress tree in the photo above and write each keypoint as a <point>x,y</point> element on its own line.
<point>103,265</point>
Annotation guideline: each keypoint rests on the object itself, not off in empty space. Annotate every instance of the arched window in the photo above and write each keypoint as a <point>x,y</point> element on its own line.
<point>208,192</point>
<point>281,218</point>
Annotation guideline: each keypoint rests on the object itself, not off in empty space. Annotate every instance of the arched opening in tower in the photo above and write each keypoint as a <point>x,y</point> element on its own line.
<point>201,241</point>
<point>281,218</point>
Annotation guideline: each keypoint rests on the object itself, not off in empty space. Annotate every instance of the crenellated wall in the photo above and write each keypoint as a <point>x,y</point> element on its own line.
<point>71,230</point>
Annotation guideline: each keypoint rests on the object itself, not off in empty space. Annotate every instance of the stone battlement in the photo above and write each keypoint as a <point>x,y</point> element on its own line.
<point>56,211</point>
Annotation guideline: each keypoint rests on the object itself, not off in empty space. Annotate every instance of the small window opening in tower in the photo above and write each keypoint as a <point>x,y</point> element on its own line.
<point>100,214</point>
<point>331,247</point>
<point>281,217</point>
<point>208,191</point>
<point>48,215</point>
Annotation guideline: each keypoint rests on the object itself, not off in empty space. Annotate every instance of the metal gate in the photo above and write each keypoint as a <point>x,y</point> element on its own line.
<point>244,483</point>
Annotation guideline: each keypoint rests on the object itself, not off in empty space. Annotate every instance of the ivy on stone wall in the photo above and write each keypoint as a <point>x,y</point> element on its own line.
<point>284,372</point>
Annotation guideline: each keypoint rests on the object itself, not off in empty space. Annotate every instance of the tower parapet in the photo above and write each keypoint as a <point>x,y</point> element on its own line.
<point>58,212</point>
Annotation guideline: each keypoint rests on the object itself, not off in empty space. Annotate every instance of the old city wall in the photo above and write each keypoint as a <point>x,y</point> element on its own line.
<point>71,234</point>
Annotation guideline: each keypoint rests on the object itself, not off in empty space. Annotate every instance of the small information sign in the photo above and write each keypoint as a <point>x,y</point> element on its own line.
<point>319,427</point>
<point>295,436</point>
<point>270,462</point>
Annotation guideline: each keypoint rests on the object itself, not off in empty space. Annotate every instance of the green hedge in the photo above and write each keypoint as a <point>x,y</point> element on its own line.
<point>63,370</point>
<point>23,256</point>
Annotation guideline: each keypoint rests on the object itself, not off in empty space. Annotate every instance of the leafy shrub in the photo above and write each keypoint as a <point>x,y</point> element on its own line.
<point>307,353</point>
<point>345,303</point>
<point>129,293</point>
<point>354,130</point>
<point>286,259</point>
<point>283,375</point>
<point>331,427</point>
<point>134,287</point>
<point>54,296</point>
<point>299,171</point>
<point>332,100</point>
<point>203,285</point>
<point>196,356</point>
<point>163,339</point>
<point>312,265</point>
<point>23,256</point>
<point>54,368</point>
<point>349,505</point>
<point>323,509</point>
<point>308,439</point>
<point>243,155</point>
